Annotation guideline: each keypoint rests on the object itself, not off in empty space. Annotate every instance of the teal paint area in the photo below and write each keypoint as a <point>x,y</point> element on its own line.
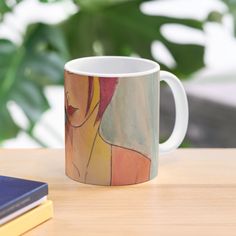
<point>131,119</point>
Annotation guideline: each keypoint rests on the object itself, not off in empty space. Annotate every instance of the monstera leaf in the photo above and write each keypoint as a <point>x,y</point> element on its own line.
<point>24,72</point>
<point>101,27</point>
<point>120,28</point>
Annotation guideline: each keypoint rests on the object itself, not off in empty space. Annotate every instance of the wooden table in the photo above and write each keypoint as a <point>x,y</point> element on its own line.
<point>194,194</point>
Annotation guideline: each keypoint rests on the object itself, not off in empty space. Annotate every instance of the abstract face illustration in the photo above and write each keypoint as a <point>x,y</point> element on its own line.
<point>78,100</point>
<point>91,158</point>
<point>84,94</point>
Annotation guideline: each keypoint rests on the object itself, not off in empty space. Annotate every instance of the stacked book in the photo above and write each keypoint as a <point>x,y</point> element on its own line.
<point>23,205</point>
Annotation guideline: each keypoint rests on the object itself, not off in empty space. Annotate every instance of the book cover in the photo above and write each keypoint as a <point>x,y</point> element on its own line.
<point>22,211</point>
<point>18,193</point>
<point>28,221</point>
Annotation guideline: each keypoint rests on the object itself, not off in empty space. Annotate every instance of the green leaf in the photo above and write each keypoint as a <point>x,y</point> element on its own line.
<point>215,16</point>
<point>92,5</point>
<point>101,27</point>
<point>122,29</point>
<point>49,1</point>
<point>189,58</point>
<point>8,128</point>
<point>4,7</point>
<point>7,6</point>
<point>25,70</point>
<point>31,99</point>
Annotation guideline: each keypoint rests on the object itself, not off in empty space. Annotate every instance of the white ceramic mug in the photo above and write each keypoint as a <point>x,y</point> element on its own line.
<point>112,119</point>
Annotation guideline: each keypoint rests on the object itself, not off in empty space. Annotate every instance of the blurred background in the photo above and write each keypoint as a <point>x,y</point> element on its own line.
<point>195,39</point>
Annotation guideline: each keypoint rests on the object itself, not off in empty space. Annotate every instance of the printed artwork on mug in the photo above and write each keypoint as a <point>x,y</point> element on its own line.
<point>91,157</point>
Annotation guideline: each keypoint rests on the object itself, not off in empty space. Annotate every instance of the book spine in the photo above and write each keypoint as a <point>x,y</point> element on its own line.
<point>27,221</point>
<point>25,200</point>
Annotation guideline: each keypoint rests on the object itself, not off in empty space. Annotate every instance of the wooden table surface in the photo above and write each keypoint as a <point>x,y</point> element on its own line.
<point>194,194</point>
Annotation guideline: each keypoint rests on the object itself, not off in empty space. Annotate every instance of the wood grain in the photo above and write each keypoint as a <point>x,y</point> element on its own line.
<point>194,194</point>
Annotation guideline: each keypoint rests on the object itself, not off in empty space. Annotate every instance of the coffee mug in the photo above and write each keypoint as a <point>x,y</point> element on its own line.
<point>112,119</point>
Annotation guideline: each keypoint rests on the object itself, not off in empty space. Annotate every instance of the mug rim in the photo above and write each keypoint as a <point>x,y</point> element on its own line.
<point>70,64</point>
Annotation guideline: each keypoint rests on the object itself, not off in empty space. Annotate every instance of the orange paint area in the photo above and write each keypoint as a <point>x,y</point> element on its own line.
<point>129,166</point>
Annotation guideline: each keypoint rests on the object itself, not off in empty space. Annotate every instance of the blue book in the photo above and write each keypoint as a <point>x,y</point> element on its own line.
<point>16,194</point>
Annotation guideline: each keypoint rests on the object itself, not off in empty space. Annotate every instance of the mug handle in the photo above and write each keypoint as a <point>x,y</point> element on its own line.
<point>181,113</point>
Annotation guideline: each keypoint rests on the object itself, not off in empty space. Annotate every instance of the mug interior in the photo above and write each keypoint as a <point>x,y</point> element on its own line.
<point>112,66</point>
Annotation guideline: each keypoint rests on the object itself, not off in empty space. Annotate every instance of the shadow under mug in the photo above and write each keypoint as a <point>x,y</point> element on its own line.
<point>112,119</point>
